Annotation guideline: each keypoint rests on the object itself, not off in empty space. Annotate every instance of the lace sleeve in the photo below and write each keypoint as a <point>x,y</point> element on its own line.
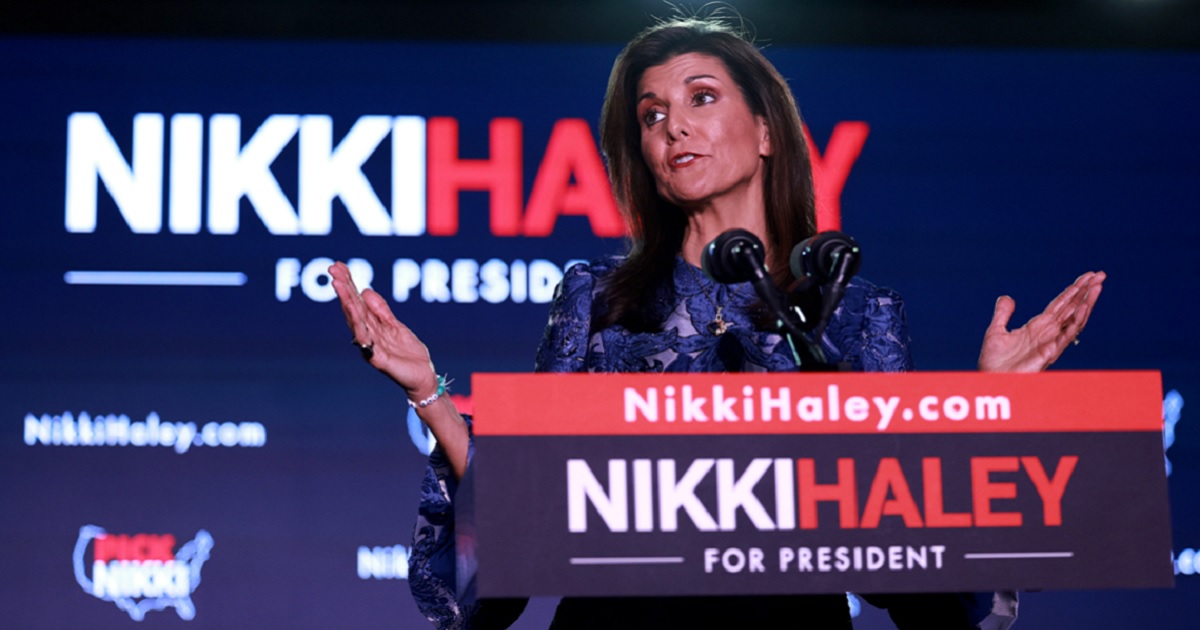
<point>870,329</point>
<point>431,563</point>
<point>564,344</point>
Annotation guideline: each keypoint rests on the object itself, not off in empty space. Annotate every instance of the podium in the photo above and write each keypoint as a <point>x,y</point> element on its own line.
<point>740,484</point>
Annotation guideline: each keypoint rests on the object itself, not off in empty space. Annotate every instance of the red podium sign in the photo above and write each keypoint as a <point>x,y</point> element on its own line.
<point>698,484</point>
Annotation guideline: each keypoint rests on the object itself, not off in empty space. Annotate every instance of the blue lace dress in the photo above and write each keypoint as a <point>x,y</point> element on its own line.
<point>868,331</point>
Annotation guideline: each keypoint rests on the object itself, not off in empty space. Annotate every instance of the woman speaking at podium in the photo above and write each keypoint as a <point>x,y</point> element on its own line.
<point>701,135</point>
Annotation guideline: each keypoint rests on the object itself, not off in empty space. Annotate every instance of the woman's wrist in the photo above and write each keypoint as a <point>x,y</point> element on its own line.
<point>424,386</point>
<point>439,414</point>
<point>432,392</point>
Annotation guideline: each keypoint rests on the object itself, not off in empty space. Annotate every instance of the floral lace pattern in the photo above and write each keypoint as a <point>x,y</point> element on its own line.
<point>868,329</point>
<point>431,561</point>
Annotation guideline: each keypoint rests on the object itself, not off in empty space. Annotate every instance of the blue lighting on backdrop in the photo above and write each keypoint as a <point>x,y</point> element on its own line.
<point>169,209</point>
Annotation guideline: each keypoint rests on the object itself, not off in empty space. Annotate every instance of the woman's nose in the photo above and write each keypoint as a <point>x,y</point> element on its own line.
<point>678,127</point>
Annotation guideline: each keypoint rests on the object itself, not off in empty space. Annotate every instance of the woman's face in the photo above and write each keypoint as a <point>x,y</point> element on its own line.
<point>699,138</point>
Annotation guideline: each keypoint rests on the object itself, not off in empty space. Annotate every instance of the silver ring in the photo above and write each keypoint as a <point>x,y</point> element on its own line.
<point>367,349</point>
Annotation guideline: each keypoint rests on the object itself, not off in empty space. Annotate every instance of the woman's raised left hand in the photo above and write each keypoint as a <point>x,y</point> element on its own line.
<point>1037,344</point>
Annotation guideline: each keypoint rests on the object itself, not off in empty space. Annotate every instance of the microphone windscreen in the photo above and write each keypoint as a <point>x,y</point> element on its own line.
<point>729,258</point>
<point>817,256</point>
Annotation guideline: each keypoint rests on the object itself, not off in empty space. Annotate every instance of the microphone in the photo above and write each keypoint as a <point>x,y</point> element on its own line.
<point>829,259</point>
<point>737,256</point>
<point>734,256</point>
<point>828,256</point>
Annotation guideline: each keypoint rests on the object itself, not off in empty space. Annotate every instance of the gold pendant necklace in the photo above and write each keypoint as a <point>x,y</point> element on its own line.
<point>718,325</point>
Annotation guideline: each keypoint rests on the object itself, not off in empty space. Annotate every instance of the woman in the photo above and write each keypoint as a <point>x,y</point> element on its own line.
<point>701,135</point>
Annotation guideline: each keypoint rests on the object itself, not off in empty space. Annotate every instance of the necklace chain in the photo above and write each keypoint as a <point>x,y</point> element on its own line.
<point>718,325</point>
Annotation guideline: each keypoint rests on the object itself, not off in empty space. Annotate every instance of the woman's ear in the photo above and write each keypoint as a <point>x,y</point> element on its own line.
<point>764,141</point>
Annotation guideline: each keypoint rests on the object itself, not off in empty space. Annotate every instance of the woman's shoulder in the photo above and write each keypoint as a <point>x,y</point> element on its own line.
<point>865,304</point>
<point>565,339</point>
<point>592,270</point>
<point>582,281</point>
<point>862,291</point>
<point>870,329</point>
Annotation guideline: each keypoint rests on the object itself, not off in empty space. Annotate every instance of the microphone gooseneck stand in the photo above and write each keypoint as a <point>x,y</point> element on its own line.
<point>737,256</point>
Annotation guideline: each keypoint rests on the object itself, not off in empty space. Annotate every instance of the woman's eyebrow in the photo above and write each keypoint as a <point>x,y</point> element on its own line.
<point>687,80</point>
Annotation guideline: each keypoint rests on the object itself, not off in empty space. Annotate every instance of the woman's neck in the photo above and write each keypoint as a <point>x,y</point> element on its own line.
<point>707,223</point>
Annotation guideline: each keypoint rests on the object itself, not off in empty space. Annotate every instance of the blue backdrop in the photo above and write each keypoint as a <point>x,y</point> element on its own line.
<point>234,416</point>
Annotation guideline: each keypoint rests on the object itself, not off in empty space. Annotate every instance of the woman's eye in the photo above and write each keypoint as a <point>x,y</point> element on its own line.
<point>652,116</point>
<point>703,98</point>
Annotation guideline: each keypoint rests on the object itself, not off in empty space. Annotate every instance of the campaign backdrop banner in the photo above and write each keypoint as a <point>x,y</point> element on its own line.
<point>774,484</point>
<point>190,439</point>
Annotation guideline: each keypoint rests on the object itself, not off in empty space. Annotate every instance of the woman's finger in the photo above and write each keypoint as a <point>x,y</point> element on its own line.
<point>1063,301</point>
<point>1081,310</point>
<point>378,307</point>
<point>1004,309</point>
<point>1089,301</point>
<point>352,305</point>
<point>1076,313</point>
<point>386,329</point>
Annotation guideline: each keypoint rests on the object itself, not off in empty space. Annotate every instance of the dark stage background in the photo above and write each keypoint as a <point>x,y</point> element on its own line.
<point>234,416</point>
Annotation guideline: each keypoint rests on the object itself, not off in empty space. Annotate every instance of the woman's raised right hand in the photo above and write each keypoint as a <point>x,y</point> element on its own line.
<point>393,349</point>
<point>389,345</point>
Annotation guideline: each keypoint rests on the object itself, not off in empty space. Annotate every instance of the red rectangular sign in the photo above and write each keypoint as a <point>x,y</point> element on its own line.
<point>750,404</point>
<point>720,484</point>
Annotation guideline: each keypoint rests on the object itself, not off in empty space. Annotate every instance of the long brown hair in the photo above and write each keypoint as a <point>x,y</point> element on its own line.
<point>657,227</point>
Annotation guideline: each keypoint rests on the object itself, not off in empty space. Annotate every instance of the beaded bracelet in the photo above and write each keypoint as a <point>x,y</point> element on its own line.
<point>442,388</point>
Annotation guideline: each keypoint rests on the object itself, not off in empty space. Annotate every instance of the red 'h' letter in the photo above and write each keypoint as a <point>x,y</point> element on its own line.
<point>844,492</point>
<point>571,151</point>
<point>448,175</point>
